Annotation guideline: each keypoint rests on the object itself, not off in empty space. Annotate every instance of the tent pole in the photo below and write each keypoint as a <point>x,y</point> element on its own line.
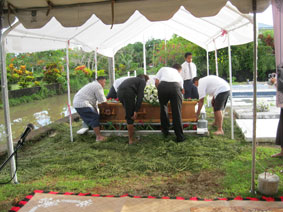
<point>207,62</point>
<point>95,60</point>
<point>231,97</point>
<point>165,52</point>
<point>5,99</point>
<point>110,70</point>
<point>69,91</point>
<point>113,63</point>
<point>144,57</point>
<point>216,59</point>
<point>254,99</point>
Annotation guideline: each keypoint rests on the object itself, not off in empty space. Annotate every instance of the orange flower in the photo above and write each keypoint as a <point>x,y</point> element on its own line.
<point>23,68</point>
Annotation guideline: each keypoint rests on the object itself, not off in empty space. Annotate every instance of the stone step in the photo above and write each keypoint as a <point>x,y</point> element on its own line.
<point>265,131</point>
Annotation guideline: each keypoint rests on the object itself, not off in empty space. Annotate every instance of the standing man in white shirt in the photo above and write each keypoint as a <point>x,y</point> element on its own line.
<point>220,90</point>
<point>85,102</point>
<point>169,84</point>
<point>189,71</point>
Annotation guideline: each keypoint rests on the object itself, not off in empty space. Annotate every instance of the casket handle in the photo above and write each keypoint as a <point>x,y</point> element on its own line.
<point>107,112</point>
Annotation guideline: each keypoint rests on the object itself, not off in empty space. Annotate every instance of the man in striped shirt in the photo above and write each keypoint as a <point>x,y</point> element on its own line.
<point>86,103</point>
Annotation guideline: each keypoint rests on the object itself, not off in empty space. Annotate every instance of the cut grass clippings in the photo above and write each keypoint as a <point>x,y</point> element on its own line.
<point>203,166</point>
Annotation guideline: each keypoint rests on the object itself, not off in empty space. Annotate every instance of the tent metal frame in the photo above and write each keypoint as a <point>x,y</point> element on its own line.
<point>6,100</point>
<point>254,99</point>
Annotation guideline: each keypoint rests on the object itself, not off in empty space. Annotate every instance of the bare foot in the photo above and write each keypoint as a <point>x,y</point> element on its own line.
<point>133,141</point>
<point>219,132</point>
<point>278,155</point>
<point>101,138</point>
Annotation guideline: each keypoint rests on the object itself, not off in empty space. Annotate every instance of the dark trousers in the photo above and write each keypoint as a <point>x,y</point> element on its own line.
<point>279,135</point>
<point>171,91</point>
<point>128,100</point>
<point>112,93</point>
<point>188,86</point>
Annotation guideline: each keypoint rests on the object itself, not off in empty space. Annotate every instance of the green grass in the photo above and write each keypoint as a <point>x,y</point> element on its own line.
<point>203,166</point>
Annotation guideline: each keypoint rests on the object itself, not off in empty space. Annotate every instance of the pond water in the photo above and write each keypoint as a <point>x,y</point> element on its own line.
<point>39,113</point>
<point>263,86</point>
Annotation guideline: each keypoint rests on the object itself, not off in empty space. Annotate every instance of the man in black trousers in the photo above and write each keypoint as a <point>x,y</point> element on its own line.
<point>169,84</point>
<point>130,94</point>
<point>189,71</point>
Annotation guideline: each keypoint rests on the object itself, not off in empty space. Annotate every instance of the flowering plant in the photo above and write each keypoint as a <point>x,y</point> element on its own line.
<point>189,100</point>
<point>83,69</point>
<point>112,100</point>
<point>53,73</point>
<point>262,106</point>
<point>151,95</point>
<point>23,77</point>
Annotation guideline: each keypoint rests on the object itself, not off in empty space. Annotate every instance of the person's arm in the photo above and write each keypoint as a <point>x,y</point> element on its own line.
<point>181,83</point>
<point>156,82</point>
<point>182,73</point>
<point>200,104</point>
<point>157,78</point>
<point>195,71</point>
<point>100,96</point>
<point>273,81</point>
<point>212,101</point>
<point>140,95</point>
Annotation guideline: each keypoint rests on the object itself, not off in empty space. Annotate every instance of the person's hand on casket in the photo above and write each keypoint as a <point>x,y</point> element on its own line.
<point>134,117</point>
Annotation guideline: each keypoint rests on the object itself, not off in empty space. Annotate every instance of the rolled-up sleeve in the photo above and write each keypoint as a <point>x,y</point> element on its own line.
<point>158,75</point>
<point>201,91</point>
<point>181,82</point>
<point>100,95</point>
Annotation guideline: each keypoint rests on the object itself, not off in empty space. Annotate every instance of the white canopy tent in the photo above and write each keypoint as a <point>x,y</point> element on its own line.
<point>208,32</point>
<point>93,34</point>
<point>71,13</point>
<point>37,13</point>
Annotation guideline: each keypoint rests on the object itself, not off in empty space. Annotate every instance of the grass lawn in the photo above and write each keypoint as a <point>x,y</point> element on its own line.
<point>206,167</point>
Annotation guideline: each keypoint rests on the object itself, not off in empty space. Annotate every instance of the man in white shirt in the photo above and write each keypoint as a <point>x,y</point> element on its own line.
<point>169,84</point>
<point>189,71</point>
<point>85,102</point>
<point>220,90</point>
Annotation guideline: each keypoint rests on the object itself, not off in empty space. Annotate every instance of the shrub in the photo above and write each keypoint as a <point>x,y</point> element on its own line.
<point>83,71</point>
<point>23,77</point>
<point>53,74</point>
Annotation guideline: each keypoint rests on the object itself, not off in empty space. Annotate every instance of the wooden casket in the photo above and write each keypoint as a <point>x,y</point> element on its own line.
<point>114,112</point>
